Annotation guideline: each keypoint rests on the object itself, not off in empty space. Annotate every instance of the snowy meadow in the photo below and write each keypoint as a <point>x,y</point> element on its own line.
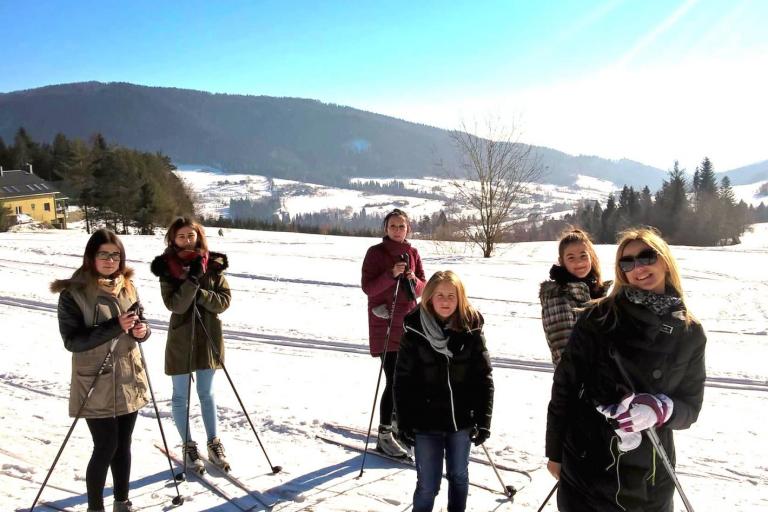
<point>296,342</point>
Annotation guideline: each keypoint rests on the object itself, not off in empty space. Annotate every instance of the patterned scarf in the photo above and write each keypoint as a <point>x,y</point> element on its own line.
<point>112,286</point>
<point>434,333</point>
<point>659,303</point>
<point>178,261</point>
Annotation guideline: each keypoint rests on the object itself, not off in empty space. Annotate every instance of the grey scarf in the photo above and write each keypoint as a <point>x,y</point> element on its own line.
<point>434,333</point>
<point>659,303</point>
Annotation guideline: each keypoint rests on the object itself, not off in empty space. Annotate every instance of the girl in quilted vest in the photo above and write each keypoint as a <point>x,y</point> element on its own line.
<point>101,331</point>
<point>573,282</point>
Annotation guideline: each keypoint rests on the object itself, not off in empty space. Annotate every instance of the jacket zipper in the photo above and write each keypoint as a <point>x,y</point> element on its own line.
<point>450,391</point>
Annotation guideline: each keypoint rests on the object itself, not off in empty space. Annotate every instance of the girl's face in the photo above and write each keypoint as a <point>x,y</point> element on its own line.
<point>650,277</point>
<point>576,259</point>
<point>186,238</point>
<point>445,300</point>
<point>107,259</point>
<point>397,228</point>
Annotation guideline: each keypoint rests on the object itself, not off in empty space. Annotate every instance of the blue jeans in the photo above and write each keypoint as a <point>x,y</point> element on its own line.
<point>204,380</point>
<point>429,450</point>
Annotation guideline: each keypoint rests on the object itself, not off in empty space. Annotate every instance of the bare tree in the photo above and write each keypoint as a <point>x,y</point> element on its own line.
<point>497,170</point>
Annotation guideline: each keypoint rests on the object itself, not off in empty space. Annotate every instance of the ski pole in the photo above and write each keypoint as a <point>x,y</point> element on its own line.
<point>77,417</point>
<point>183,474</point>
<point>653,436</point>
<point>509,490</point>
<point>217,354</point>
<point>546,500</point>
<point>378,380</point>
<point>178,499</point>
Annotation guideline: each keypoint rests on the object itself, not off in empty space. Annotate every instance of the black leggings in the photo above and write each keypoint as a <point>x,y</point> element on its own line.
<point>111,449</point>
<point>387,398</point>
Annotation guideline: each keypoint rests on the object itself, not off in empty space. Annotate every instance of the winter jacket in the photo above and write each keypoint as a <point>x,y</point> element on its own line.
<point>661,355</point>
<point>212,296</point>
<point>88,323</point>
<point>435,393</point>
<point>560,305</point>
<point>379,285</point>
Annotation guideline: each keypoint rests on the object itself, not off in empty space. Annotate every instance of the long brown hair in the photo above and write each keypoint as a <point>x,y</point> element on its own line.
<point>652,238</point>
<point>186,222</point>
<point>573,235</point>
<point>465,316</point>
<point>97,239</point>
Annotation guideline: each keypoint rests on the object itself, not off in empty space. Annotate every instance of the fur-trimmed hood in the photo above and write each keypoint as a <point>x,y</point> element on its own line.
<point>217,263</point>
<point>79,280</point>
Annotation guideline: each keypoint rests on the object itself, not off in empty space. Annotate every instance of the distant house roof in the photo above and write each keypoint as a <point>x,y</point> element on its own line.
<point>16,183</point>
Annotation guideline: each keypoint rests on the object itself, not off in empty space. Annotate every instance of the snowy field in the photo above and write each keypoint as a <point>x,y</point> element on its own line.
<point>216,189</point>
<point>297,351</point>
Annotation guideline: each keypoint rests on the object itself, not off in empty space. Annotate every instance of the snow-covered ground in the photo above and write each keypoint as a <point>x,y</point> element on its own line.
<point>750,194</point>
<point>215,190</point>
<point>297,351</point>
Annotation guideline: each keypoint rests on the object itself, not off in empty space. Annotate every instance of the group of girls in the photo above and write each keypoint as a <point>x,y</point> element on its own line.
<point>626,360</point>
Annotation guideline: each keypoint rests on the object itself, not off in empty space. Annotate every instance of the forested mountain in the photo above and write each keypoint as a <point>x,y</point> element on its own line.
<point>748,174</point>
<point>282,137</point>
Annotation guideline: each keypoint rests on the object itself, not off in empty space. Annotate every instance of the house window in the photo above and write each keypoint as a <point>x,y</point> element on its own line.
<point>18,210</point>
<point>47,207</point>
<point>33,206</point>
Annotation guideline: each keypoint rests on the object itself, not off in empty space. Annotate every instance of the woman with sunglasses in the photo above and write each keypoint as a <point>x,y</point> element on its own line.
<point>393,264</point>
<point>101,330</point>
<point>635,361</point>
<point>192,284</point>
<point>573,282</point>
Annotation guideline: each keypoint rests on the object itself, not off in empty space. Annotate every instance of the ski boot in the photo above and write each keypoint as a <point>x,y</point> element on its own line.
<point>193,458</point>
<point>123,506</point>
<point>216,454</point>
<point>386,443</point>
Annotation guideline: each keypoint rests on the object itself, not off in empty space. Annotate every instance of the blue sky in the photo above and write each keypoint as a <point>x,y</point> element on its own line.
<point>649,80</point>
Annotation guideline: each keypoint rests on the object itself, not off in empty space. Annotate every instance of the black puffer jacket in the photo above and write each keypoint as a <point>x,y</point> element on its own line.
<point>436,393</point>
<point>661,355</point>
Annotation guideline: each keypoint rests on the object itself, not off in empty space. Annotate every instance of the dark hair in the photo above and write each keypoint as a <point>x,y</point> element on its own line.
<point>99,238</point>
<point>575,235</point>
<point>186,222</point>
<point>397,212</point>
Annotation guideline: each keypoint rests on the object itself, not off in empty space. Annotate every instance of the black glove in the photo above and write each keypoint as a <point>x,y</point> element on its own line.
<point>195,269</point>
<point>408,437</point>
<point>479,435</point>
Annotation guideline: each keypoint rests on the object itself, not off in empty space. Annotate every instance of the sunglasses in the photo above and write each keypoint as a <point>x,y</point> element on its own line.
<point>104,256</point>
<point>643,259</point>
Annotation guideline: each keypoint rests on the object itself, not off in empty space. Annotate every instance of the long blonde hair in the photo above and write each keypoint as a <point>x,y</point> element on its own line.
<point>650,237</point>
<point>465,316</point>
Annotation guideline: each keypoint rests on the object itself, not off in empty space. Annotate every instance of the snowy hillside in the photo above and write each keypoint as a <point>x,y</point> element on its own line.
<point>216,189</point>
<point>296,338</point>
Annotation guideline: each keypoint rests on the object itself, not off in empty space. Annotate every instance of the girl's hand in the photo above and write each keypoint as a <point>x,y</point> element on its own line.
<point>410,275</point>
<point>398,269</point>
<point>139,331</point>
<point>554,469</point>
<point>127,321</point>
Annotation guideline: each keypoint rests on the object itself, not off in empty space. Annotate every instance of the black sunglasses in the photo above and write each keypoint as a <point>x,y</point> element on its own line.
<point>644,258</point>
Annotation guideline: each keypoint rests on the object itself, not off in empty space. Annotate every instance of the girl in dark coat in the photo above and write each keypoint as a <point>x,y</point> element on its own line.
<point>573,282</point>
<point>443,389</point>
<point>94,319</point>
<point>394,258</point>
<point>597,415</point>
<point>191,275</point>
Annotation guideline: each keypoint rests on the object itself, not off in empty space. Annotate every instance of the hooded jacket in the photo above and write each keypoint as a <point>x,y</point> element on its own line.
<point>561,302</point>
<point>661,355</point>
<point>434,392</point>
<point>212,296</point>
<point>88,323</point>
<point>379,285</point>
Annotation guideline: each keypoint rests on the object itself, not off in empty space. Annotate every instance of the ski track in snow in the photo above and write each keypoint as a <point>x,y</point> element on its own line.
<point>299,366</point>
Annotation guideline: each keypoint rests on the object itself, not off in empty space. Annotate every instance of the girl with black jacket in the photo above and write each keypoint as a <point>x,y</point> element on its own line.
<point>443,389</point>
<point>634,361</point>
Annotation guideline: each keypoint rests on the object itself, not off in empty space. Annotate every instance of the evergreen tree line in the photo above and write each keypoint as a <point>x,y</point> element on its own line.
<point>113,185</point>
<point>395,187</point>
<point>701,213</point>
